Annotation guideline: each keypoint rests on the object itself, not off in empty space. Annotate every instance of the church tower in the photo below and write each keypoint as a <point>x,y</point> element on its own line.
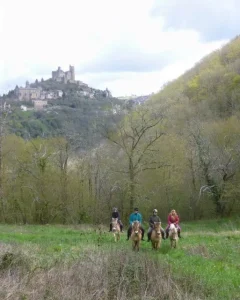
<point>72,71</point>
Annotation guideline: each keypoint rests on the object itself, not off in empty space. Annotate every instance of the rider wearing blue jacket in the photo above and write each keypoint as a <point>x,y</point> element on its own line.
<point>135,216</point>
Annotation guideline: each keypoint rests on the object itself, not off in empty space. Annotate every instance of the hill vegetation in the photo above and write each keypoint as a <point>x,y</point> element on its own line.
<point>75,115</point>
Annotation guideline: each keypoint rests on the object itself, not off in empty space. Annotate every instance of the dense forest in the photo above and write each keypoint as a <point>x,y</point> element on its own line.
<point>181,149</point>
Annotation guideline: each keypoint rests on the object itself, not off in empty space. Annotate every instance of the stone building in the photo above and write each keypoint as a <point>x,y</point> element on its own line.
<point>28,93</point>
<point>64,77</point>
<point>39,104</point>
<point>107,93</point>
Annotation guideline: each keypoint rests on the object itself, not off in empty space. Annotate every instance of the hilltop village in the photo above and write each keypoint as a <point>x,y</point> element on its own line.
<point>39,95</point>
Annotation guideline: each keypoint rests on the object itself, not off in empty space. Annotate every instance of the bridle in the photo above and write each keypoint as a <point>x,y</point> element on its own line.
<point>136,228</point>
<point>156,229</point>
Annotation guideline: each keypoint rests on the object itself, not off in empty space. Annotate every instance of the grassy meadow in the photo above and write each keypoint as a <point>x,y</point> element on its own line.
<point>83,262</point>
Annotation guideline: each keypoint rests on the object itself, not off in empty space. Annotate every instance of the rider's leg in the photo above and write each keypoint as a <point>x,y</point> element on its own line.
<point>179,232</point>
<point>110,227</point>
<point>163,233</point>
<point>167,232</point>
<point>143,231</point>
<point>149,233</point>
<point>129,232</point>
<point>121,225</point>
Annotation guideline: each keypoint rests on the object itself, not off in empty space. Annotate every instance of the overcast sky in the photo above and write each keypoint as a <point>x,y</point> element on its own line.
<point>129,46</point>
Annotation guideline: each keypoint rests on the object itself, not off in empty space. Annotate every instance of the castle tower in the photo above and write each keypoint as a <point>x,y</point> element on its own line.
<point>27,84</point>
<point>72,71</point>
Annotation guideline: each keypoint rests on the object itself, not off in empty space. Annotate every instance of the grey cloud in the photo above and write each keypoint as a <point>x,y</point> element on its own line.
<point>214,19</point>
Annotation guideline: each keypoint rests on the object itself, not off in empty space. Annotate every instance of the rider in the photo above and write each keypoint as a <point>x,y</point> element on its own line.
<point>135,216</point>
<point>116,215</point>
<point>173,218</point>
<point>152,219</point>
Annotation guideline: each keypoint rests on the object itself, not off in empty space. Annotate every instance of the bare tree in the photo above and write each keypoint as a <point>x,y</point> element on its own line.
<point>216,165</point>
<point>137,136</point>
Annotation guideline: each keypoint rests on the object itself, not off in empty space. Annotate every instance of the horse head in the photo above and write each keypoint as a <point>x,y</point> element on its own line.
<point>136,227</point>
<point>157,227</point>
<point>173,231</point>
<point>114,224</point>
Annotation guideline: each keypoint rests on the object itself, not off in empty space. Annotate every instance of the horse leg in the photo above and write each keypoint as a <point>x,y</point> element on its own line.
<point>134,245</point>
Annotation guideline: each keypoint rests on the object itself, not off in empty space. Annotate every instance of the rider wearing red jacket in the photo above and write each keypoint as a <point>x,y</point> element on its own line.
<point>173,218</point>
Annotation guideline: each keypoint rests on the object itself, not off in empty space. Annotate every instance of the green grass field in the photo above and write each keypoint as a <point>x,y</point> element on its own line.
<point>206,264</point>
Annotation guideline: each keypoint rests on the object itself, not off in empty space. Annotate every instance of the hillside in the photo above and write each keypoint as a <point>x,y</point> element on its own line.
<point>212,85</point>
<point>75,115</point>
<point>203,124</point>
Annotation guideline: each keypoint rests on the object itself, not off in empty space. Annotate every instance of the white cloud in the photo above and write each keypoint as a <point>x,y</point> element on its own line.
<point>111,43</point>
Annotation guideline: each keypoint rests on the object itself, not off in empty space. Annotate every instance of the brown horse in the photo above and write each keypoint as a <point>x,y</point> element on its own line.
<point>116,229</point>
<point>156,236</point>
<point>173,235</point>
<point>136,235</point>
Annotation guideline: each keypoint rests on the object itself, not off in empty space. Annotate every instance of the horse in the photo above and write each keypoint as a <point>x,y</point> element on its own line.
<point>136,235</point>
<point>116,229</point>
<point>173,235</point>
<point>156,236</point>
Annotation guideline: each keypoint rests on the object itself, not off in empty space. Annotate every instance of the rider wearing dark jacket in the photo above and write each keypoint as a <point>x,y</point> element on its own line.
<point>116,215</point>
<point>152,219</point>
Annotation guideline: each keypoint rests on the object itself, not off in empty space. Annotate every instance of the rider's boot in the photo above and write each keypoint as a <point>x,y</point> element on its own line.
<point>128,234</point>
<point>167,234</point>
<point>163,234</point>
<point>149,236</point>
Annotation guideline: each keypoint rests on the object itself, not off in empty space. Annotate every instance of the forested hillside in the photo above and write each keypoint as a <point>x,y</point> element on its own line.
<point>73,116</point>
<point>181,150</point>
<point>203,109</point>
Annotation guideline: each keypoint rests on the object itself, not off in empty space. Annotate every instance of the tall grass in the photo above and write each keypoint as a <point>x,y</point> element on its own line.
<point>83,262</point>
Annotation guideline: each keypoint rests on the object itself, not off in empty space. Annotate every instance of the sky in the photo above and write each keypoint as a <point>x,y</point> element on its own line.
<point>128,46</point>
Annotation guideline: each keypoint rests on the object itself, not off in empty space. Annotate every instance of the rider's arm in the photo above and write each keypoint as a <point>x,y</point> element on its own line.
<point>169,220</point>
<point>151,222</point>
<point>177,220</point>
<point>140,218</point>
<point>130,219</point>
